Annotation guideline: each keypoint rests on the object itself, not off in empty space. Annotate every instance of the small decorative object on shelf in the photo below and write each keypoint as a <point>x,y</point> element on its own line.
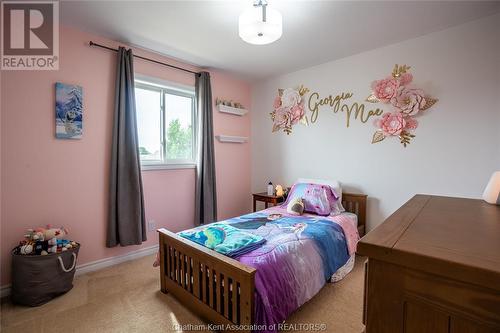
<point>232,139</point>
<point>270,189</point>
<point>407,102</point>
<point>230,103</point>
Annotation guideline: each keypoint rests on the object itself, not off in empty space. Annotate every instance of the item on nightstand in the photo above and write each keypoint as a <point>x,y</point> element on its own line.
<point>279,191</point>
<point>270,189</point>
<point>492,191</point>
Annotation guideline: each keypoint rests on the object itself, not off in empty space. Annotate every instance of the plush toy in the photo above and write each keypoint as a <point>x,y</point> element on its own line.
<point>295,206</point>
<point>58,245</point>
<point>41,246</point>
<point>32,235</point>
<point>49,232</point>
<point>26,248</point>
<point>42,241</point>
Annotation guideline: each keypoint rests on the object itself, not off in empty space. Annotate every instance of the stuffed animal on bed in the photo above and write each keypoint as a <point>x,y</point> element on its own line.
<point>295,206</point>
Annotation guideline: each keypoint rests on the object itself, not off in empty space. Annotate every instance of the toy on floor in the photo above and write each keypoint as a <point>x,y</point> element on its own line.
<point>58,245</point>
<point>42,241</point>
<point>49,232</point>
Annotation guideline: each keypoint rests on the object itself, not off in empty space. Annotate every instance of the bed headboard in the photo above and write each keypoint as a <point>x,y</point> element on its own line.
<point>356,203</point>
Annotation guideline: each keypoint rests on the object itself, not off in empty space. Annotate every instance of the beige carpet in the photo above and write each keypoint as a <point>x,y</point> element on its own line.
<point>126,298</point>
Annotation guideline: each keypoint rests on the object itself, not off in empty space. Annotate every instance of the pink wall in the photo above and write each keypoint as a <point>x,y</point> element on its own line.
<point>63,182</point>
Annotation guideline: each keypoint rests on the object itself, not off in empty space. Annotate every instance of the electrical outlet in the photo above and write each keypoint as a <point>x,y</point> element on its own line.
<point>151,225</point>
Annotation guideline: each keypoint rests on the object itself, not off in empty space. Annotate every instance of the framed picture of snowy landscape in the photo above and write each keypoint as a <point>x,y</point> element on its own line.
<point>69,111</point>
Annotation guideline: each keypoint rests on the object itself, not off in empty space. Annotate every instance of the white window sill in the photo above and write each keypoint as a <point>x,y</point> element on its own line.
<point>152,167</point>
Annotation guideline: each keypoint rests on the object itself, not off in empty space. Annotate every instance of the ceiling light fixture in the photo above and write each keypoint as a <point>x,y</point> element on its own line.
<point>260,25</point>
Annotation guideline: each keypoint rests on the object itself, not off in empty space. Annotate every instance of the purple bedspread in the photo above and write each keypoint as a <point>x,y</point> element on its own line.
<point>300,255</point>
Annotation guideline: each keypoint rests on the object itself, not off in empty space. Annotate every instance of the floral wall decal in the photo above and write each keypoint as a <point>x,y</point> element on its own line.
<point>406,101</point>
<point>289,109</point>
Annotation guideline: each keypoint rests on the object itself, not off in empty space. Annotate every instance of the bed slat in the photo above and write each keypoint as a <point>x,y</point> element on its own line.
<point>226,297</point>
<point>234,293</point>
<point>210,288</point>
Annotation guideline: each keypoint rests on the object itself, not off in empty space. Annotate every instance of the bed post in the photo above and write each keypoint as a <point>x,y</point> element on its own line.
<point>356,203</point>
<point>162,265</point>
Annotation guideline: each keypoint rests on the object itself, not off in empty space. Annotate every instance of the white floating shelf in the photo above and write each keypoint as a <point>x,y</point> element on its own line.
<point>232,139</point>
<point>231,110</point>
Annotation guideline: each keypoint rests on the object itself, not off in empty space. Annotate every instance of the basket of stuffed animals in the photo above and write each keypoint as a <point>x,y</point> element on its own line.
<point>43,266</point>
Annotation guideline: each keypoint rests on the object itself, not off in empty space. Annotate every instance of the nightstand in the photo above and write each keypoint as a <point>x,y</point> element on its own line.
<point>267,199</point>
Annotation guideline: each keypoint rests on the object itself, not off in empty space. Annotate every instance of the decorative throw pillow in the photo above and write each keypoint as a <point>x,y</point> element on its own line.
<point>295,206</point>
<point>317,198</point>
<point>336,187</point>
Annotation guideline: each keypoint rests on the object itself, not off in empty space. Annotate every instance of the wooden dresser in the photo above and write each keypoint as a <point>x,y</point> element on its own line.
<point>434,266</point>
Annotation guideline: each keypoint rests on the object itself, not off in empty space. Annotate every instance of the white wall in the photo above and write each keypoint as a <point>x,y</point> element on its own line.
<point>456,148</point>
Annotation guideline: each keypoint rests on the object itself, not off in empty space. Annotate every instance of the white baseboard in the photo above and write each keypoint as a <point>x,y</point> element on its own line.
<point>100,264</point>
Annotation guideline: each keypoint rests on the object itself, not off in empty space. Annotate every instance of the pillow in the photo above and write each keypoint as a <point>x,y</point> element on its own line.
<point>318,199</point>
<point>337,207</point>
<point>295,206</point>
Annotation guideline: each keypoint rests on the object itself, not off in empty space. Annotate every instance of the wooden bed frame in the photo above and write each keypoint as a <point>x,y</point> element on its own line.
<point>217,288</point>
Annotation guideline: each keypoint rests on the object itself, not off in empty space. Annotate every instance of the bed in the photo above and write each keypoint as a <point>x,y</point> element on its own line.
<point>239,294</point>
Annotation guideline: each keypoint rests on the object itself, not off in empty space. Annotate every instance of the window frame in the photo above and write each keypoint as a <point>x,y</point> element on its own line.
<point>164,87</point>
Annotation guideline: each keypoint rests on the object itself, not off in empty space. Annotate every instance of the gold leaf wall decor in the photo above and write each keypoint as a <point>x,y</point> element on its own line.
<point>429,102</point>
<point>372,99</point>
<point>378,136</point>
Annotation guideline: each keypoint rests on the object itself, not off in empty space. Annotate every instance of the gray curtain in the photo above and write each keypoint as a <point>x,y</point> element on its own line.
<point>206,196</point>
<point>126,223</point>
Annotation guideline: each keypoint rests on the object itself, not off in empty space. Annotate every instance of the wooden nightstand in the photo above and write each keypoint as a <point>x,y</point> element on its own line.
<point>266,199</point>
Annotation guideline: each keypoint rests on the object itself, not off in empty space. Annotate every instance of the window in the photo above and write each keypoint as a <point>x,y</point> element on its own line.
<point>165,125</point>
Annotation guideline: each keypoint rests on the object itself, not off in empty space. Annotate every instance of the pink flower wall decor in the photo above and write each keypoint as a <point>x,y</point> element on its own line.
<point>289,109</point>
<point>406,102</point>
<point>385,89</point>
<point>391,123</point>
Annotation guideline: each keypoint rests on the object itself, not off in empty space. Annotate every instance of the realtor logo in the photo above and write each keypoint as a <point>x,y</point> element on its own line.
<point>30,35</point>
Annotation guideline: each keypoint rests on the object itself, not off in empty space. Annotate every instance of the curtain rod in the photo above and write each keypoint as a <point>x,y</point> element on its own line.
<point>91,43</point>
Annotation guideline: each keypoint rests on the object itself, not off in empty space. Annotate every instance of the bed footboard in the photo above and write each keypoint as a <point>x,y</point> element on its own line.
<point>216,287</point>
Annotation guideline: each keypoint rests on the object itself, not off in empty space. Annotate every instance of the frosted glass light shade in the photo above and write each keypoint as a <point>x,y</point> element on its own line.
<point>253,30</point>
<point>492,191</point>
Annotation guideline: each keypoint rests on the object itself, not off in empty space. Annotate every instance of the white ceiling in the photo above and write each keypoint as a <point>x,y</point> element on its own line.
<point>205,33</point>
